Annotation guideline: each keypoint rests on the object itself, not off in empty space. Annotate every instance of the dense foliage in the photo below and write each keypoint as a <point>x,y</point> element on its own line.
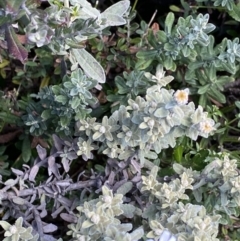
<point>112,128</point>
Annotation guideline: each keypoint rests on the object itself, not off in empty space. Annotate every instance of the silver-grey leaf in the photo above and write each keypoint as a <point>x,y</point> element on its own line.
<point>89,65</point>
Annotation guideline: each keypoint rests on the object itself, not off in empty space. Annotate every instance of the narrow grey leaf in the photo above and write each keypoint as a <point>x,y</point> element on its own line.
<point>49,228</point>
<point>48,190</point>
<point>33,173</point>
<point>42,153</point>
<point>58,143</point>
<point>68,218</point>
<point>33,198</point>
<point>18,200</point>
<point>136,165</point>
<point>52,167</point>
<point>11,182</point>
<point>65,201</point>
<point>125,188</point>
<point>65,163</point>
<point>111,177</point>
<point>17,172</point>
<point>43,213</point>
<point>47,237</point>
<point>63,183</point>
<point>59,210</point>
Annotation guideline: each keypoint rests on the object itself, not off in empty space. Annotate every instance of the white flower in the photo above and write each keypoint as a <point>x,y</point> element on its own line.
<point>206,126</point>
<point>181,96</point>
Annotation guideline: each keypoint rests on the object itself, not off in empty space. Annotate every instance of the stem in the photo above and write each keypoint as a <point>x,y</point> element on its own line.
<point>211,7</point>
<point>134,5</point>
<point>233,128</point>
<point>230,122</point>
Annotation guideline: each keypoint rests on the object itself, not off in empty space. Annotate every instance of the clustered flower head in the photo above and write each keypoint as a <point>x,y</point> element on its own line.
<point>17,232</point>
<point>154,121</point>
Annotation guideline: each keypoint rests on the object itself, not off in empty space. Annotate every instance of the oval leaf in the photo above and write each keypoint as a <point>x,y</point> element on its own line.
<point>89,64</point>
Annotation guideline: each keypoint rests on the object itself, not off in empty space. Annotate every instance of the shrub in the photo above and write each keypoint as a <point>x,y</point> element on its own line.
<point>124,148</point>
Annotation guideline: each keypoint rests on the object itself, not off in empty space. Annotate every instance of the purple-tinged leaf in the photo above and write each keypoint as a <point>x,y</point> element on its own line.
<point>64,201</point>
<point>58,143</point>
<point>49,179</point>
<point>48,238</point>
<point>33,173</point>
<point>68,218</point>
<point>11,182</point>
<point>15,48</point>
<point>137,178</point>
<point>17,172</point>
<point>48,190</point>
<point>111,177</point>
<point>65,163</point>
<point>43,214</point>
<point>52,167</point>
<point>42,153</point>
<point>118,184</point>
<point>136,165</point>
<point>59,210</point>
<point>63,183</point>
<point>74,204</point>
<point>33,198</point>
<point>18,200</point>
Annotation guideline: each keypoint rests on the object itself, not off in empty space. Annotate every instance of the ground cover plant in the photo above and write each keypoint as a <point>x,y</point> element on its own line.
<point>117,128</point>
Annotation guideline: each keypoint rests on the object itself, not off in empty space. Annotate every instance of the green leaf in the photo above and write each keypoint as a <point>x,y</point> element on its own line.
<point>15,48</point>
<point>211,72</point>
<point>143,64</point>
<point>12,6</point>
<point>217,95</point>
<point>169,22</point>
<point>235,12</point>
<point>237,103</point>
<point>148,54</point>
<point>178,153</point>
<point>89,64</point>
<point>61,98</point>
<point>203,100</point>
<point>46,114</point>
<point>64,120</point>
<point>75,102</point>
<point>169,64</point>
<point>186,51</point>
<point>175,8</point>
<point>4,19</point>
<point>161,35</point>
<point>203,89</point>
<point>26,149</point>
<point>9,118</point>
<point>121,85</point>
